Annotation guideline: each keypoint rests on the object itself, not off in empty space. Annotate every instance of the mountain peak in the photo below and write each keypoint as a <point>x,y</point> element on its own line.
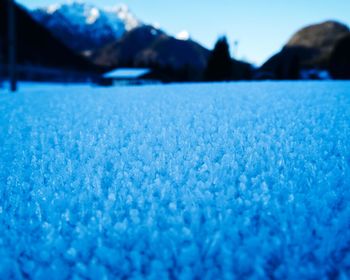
<point>123,12</point>
<point>183,35</point>
<point>320,35</point>
<point>52,8</point>
<point>119,8</point>
<point>94,25</point>
<point>91,13</point>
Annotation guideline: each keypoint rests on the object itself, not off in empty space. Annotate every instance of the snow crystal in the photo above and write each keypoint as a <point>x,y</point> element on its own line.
<point>244,180</point>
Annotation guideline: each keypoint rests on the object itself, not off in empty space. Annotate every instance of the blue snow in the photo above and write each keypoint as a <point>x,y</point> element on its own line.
<point>208,181</point>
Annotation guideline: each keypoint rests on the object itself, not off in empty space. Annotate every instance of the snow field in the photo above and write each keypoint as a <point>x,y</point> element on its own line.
<point>184,181</point>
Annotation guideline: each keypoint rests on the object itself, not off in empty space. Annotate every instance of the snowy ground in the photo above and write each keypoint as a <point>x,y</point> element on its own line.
<point>206,181</point>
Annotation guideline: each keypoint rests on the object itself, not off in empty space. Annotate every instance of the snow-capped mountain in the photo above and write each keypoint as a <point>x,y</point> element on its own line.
<point>84,27</point>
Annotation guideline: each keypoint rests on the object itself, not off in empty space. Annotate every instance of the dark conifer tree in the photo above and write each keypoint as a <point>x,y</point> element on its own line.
<point>220,63</point>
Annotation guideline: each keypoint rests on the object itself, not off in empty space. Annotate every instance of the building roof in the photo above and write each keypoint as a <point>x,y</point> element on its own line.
<point>127,73</point>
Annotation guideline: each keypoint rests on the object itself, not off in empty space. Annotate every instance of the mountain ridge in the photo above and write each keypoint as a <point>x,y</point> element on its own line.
<point>84,27</point>
<point>310,48</point>
<point>37,47</point>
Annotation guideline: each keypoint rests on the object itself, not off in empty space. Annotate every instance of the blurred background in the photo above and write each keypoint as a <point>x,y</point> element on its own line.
<point>109,42</point>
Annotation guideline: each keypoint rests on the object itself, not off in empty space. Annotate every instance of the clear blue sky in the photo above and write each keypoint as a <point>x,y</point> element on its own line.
<point>260,26</point>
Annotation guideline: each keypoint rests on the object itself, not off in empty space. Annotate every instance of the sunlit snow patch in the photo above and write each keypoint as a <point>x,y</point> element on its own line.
<point>183,35</point>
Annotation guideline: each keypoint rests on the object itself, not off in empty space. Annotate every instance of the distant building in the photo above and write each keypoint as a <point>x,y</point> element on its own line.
<point>315,74</point>
<point>128,76</point>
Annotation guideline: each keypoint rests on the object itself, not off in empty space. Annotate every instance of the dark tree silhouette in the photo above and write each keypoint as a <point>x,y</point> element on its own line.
<point>294,68</point>
<point>339,64</point>
<point>219,66</point>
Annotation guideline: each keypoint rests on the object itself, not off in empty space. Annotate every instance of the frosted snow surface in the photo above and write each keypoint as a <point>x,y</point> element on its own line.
<point>209,181</point>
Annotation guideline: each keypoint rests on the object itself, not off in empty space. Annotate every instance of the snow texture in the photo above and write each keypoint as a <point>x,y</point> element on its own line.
<point>176,182</point>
